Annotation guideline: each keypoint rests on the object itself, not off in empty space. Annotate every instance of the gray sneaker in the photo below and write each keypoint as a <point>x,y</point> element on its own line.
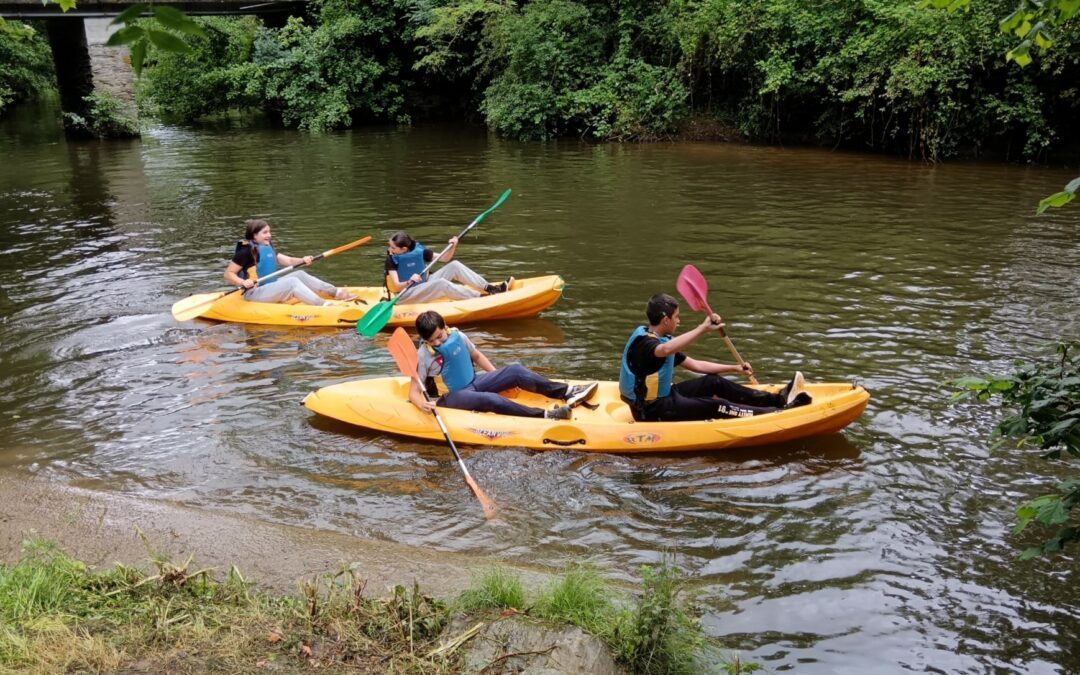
<point>579,393</point>
<point>559,412</point>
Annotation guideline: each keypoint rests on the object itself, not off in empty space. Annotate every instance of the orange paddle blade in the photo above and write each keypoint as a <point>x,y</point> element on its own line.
<point>404,352</point>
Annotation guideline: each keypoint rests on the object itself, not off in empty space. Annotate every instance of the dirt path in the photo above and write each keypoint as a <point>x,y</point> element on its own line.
<point>100,529</point>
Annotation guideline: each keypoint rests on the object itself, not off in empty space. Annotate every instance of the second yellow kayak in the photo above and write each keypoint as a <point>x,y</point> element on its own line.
<point>526,297</point>
<point>382,404</point>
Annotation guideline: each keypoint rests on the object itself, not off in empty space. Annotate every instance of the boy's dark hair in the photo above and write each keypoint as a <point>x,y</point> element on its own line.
<point>253,227</point>
<point>428,322</point>
<point>403,240</point>
<point>660,305</point>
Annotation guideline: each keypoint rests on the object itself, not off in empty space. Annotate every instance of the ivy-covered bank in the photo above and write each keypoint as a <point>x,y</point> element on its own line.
<point>26,68</point>
<point>878,75</point>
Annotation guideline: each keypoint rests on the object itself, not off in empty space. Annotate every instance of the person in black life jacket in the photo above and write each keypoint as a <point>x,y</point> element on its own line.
<point>447,363</point>
<point>406,259</point>
<point>649,360</point>
<point>255,257</point>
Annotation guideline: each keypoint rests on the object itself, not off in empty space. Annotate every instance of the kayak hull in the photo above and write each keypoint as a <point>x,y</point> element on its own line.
<point>527,297</point>
<point>382,404</point>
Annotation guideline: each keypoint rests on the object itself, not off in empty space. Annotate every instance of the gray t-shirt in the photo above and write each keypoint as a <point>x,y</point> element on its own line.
<point>429,365</point>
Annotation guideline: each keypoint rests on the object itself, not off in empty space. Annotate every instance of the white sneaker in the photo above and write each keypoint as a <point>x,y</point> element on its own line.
<point>796,387</point>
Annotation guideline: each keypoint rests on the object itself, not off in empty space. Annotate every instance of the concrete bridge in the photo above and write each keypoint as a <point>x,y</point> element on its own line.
<point>83,66</point>
<point>35,9</point>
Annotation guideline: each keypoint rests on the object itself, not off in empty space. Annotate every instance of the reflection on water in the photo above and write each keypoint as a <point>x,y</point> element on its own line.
<point>883,548</point>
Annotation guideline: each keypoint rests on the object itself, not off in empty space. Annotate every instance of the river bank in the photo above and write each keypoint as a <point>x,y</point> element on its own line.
<point>102,529</point>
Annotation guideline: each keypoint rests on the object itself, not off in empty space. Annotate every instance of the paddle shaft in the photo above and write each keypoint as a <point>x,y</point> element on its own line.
<point>292,268</point>
<point>729,343</point>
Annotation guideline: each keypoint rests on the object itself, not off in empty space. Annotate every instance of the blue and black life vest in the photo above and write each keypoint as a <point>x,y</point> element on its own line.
<point>265,260</point>
<point>410,263</point>
<point>266,263</point>
<point>457,365</point>
<point>657,385</point>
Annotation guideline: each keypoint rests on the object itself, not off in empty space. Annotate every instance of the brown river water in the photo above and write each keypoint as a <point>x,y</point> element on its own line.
<point>886,548</point>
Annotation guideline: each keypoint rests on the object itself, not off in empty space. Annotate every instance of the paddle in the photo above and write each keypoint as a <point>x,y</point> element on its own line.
<point>378,316</point>
<point>193,306</point>
<point>694,289</point>
<point>404,352</point>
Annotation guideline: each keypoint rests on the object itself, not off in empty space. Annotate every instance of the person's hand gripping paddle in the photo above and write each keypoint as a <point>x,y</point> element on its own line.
<point>404,352</point>
<point>376,318</point>
<point>694,289</point>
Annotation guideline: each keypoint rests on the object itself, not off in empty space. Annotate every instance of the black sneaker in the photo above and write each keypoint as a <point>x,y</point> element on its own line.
<point>579,393</point>
<point>559,412</point>
<point>504,286</point>
<point>802,398</point>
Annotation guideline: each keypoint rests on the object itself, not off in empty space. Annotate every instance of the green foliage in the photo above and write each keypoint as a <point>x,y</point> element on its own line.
<point>494,588</point>
<point>106,117</point>
<point>25,66</point>
<point>658,636</point>
<point>1059,199</point>
<point>139,35</point>
<point>316,77</point>
<point>214,75</point>
<point>563,67</point>
<point>1043,403</point>
<point>580,596</point>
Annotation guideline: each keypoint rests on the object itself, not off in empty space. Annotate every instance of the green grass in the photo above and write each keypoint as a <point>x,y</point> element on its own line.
<point>58,615</point>
<point>494,588</point>
<point>582,597</point>
<point>648,632</point>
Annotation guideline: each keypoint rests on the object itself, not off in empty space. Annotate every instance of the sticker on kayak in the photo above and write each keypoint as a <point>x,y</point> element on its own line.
<point>642,438</point>
<point>301,317</point>
<point>408,314</point>
<point>490,434</point>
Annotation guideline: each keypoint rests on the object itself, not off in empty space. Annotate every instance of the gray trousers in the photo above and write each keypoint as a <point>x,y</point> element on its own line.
<point>300,285</point>
<point>441,284</point>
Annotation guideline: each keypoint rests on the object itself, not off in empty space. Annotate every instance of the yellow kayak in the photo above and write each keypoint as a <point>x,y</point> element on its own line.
<point>382,404</point>
<point>526,297</point>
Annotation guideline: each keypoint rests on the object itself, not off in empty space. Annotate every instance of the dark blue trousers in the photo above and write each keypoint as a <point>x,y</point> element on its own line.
<point>483,394</point>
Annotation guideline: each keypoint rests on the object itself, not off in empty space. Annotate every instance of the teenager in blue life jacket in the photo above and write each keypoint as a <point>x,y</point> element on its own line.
<point>256,257</point>
<point>448,362</point>
<point>649,360</point>
<point>406,259</point>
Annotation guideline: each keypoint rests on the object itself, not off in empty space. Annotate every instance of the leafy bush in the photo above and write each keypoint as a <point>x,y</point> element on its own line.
<point>106,117</point>
<point>343,68</point>
<point>25,67</point>
<point>1043,400</point>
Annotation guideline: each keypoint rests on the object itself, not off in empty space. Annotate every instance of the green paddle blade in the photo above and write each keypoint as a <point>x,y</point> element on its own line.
<point>376,318</point>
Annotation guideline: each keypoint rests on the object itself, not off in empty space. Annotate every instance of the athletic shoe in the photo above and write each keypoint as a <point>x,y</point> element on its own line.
<point>342,294</point>
<point>579,393</point>
<point>795,392</point>
<point>502,287</point>
<point>802,398</point>
<point>559,412</point>
<point>793,388</point>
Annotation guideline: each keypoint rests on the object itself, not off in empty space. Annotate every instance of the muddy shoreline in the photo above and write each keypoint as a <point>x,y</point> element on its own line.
<point>102,529</point>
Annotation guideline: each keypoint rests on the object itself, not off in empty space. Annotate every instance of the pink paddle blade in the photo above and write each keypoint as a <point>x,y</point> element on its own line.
<point>693,287</point>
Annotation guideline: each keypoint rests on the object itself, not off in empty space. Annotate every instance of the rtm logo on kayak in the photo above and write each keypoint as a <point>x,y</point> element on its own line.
<point>301,317</point>
<point>491,434</point>
<point>641,439</point>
